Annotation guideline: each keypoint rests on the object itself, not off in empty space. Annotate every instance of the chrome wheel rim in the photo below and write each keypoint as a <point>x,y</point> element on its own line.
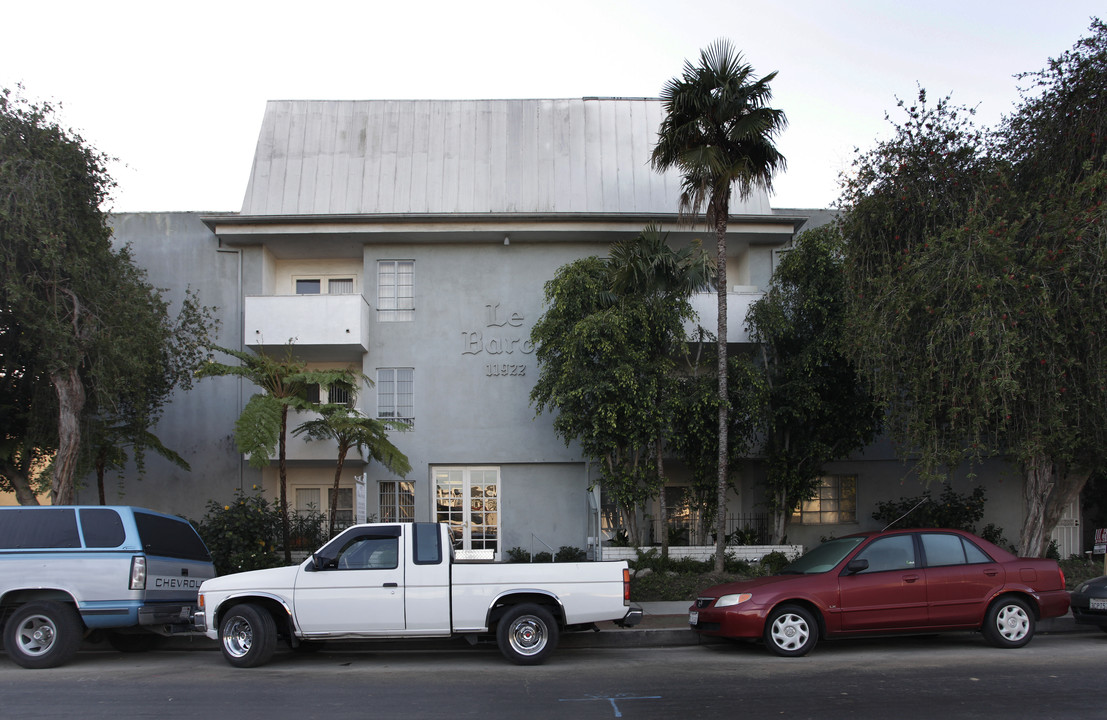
<point>238,637</point>
<point>528,635</point>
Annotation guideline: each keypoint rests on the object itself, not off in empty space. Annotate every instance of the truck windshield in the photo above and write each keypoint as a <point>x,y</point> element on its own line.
<point>823,558</point>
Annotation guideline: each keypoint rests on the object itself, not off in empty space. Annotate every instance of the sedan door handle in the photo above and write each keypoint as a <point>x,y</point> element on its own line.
<point>910,578</point>
<point>392,585</point>
<point>991,573</point>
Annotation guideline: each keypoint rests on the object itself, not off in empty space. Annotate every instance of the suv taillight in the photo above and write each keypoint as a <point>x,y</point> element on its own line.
<point>138,572</point>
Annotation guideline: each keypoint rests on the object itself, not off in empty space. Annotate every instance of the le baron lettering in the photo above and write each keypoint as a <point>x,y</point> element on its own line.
<point>502,335</point>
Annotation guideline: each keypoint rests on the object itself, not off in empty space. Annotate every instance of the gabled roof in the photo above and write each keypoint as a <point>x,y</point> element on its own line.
<point>460,157</point>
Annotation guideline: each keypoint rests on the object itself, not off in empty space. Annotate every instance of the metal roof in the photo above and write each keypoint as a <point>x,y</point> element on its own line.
<point>444,157</point>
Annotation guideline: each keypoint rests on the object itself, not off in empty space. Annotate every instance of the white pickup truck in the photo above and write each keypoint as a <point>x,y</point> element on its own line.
<point>387,581</point>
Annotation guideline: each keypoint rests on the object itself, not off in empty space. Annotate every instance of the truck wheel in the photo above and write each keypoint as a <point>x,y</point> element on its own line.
<point>248,635</point>
<point>43,634</point>
<point>527,634</point>
<point>1009,623</point>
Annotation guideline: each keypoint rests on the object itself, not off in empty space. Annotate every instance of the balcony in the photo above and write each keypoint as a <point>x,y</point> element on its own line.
<point>738,302</point>
<point>322,327</point>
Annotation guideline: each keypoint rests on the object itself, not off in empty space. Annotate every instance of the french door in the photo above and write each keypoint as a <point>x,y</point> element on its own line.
<point>468,500</point>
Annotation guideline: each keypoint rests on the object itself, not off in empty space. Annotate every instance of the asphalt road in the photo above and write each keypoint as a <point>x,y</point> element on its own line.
<point>951,676</point>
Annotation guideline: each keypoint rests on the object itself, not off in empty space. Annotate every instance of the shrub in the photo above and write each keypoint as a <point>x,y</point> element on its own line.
<point>240,535</point>
<point>518,555</point>
<point>951,510</point>
<point>774,562</point>
<point>543,557</point>
<point>568,553</point>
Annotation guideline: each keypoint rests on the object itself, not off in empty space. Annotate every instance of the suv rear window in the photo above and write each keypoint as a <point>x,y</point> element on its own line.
<point>168,537</point>
<point>102,528</point>
<point>39,528</point>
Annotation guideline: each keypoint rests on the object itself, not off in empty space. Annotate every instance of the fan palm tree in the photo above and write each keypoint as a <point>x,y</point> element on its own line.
<point>719,133</point>
<point>354,431</point>
<point>262,428</point>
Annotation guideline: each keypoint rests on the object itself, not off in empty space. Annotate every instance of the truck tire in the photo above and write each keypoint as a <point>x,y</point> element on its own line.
<point>527,634</point>
<point>248,636</point>
<point>43,634</point>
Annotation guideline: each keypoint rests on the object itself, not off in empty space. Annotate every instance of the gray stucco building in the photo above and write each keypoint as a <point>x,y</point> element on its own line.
<point>410,240</point>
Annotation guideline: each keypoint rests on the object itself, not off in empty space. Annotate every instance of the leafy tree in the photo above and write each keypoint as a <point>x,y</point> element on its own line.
<point>78,316</point>
<point>605,353</point>
<point>977,264</point>
<point>353,431</point>
<point>261,431</point>
<point>818,409</point>
<point>719,133</point>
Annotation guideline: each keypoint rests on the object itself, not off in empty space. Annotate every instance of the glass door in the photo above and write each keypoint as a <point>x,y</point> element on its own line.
<point>468,500</point>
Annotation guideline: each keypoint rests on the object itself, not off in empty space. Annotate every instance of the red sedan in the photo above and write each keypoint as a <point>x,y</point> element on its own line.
<point>892,582</point>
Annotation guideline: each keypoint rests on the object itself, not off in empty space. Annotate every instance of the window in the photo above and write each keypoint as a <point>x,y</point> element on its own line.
<point>335,395</point>
<point>308,499</point>
<point>889,553</point>
<point>943,549</point>
<point>397,501</point>
<point>396,394</point>
<point>367,552</point>
<point>395,290</point>
<point>835,501</point>
<point>338,285</point>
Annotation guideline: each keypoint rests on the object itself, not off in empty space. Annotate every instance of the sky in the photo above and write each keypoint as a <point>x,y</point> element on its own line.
<point>176,91</point>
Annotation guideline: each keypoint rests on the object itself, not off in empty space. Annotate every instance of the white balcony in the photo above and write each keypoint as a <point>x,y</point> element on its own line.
<point>321,327</point>
<point>738,302</point>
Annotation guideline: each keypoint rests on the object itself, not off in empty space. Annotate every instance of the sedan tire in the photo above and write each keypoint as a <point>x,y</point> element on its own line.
<point>791,631</point>
<point>1009,623</point>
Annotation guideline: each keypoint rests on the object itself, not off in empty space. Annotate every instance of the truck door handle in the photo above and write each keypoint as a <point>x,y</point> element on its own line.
<point>392,585</point>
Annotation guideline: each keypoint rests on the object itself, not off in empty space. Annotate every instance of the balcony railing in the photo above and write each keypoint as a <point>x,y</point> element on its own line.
<point>320,326</point>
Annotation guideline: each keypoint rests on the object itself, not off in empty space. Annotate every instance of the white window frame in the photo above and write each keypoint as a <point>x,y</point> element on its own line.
<point>393,303</point>
<point>396,500</point>
<point>324,281</point>
<point>389,406</point>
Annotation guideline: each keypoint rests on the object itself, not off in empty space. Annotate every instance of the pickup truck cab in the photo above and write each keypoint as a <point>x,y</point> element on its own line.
<point>388,581</point>
<point>67,571</point>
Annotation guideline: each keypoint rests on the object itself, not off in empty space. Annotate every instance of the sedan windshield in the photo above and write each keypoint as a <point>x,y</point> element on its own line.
<point>823,558</point>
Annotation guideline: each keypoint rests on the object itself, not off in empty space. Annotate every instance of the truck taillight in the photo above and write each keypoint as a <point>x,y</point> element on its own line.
<point>626,586</point>
<point>138,572</point>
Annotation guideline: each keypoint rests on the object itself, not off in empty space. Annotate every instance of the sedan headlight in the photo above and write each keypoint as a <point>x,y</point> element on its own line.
<point>728,600</point>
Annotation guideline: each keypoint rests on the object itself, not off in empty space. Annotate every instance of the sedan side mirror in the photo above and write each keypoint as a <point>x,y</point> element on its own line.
<point>857,565</point>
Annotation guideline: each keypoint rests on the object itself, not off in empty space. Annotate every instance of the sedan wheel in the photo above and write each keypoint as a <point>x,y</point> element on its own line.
<point>1009,623</point>
<point>791,631</point>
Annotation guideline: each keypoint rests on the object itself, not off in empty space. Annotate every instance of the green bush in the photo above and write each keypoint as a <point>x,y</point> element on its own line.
<point>568,553</point>
<point>543,557</point>
<point>774,562</point>
<point>951,510</point>
<point>518,555</point>
<point>240,535</point>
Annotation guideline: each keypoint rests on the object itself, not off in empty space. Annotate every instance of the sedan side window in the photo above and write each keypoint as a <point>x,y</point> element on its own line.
<point>942,549</point>
<point>889,553</point>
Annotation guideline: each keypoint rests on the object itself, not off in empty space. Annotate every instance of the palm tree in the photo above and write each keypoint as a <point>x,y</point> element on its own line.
<point>262,428</point>
<point>648,270</point>
<point>719,133</point>
<point>353,431</point>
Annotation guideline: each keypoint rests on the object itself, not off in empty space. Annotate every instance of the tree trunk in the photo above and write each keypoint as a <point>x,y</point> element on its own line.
<point>282,471</point>
<point>18,478</point>
<point>780,519</point>
<point>663,510</point>
<point>721,211</point>
<point>71,401</point>
<point>101,461</point>
<point>1048,492</point>
<point>342,450</point>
